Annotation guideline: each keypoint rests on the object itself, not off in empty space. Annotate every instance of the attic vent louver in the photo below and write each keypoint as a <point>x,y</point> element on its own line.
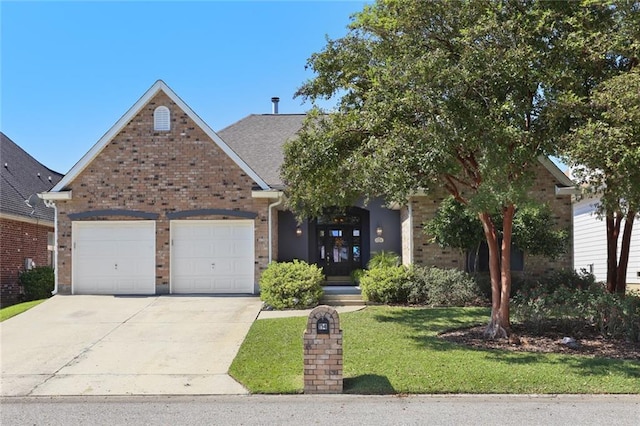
<point>161,119</point>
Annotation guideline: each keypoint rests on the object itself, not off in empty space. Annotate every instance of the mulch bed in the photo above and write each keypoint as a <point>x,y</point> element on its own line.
<point>526,338</point>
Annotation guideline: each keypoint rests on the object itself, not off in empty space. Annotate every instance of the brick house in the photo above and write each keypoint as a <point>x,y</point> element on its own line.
<point>163,204</point>
<point>26,224</point>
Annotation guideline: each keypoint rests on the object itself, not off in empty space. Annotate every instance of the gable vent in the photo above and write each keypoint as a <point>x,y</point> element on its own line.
<point>161,119</point>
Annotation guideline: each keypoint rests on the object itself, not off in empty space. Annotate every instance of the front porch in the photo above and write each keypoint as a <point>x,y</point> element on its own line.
<point>341,295</point>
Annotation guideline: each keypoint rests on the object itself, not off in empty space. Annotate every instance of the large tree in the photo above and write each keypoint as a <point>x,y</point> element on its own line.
<point>603,112</point>
<point>432,96</point>
<point>605,154</point>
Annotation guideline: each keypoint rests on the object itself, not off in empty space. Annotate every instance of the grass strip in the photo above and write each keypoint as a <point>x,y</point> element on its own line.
<point>13,310</point>
<point>389,350</point>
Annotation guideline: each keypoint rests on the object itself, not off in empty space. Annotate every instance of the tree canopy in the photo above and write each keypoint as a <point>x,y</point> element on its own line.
<point>603,142</point>
<point>432,95</point>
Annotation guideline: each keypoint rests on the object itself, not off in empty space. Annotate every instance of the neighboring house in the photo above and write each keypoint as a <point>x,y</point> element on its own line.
<point>26,224</point>
<point>590,243</point>
<point>163,204</point>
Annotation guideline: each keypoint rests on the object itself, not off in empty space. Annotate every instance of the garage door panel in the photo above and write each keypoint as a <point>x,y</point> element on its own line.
<point>212,256</point>
<point>114,257</point>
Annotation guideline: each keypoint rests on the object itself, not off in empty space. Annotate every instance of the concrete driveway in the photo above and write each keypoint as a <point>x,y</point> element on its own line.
<point>110,345</point>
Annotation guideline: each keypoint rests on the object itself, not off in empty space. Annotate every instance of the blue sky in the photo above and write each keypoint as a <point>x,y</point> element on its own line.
<point>70,70</point>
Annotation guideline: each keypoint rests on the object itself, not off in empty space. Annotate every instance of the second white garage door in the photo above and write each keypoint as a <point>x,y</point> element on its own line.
<point>212,256</point>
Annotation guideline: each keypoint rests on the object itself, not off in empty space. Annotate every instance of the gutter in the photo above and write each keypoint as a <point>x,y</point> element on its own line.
<point>271,206</point>
<point>272,195</point>
<point>52,204</point>
<point>567,190</point>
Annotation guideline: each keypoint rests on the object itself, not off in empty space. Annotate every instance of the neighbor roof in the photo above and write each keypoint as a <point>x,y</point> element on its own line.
<point>22,177</point>
<point>259,141</point>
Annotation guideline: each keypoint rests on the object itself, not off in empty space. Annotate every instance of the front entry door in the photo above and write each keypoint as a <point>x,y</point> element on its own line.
<point>339,248</point>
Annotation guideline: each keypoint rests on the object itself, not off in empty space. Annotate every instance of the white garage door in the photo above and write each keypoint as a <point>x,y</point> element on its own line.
<point>212,256</point>
<point>114,257</point>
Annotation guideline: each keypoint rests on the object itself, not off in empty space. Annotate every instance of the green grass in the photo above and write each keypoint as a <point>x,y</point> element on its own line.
<point>13,310</point>
<point>389,350</point>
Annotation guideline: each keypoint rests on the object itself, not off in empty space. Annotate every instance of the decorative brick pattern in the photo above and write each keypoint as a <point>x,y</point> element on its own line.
<point>20,240</point>
<point>161,172</point>
<point>323,353</point>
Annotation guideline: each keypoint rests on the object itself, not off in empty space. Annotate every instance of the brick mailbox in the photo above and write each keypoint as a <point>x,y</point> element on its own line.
<point>323,352</point>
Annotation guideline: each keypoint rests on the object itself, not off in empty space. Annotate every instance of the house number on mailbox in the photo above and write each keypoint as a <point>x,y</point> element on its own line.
<point>322,326</point>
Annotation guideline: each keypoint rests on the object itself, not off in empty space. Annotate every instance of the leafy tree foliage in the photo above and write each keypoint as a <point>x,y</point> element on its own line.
<point>603,112</point>
<point>434,95</point>
<point>534,230</point>
<point>455,226</point>
<point>605,153</point>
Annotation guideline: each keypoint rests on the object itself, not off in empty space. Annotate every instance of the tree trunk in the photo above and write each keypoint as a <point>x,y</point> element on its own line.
<point>621,279</point>
<point>613,229</point>
<point>496,326</point>
<point>505,264</point>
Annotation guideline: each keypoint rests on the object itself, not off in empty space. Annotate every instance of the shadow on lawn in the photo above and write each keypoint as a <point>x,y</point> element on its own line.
<point>584,364</point>
<point>368,384</point>
<point>426,323</point>
<point>434,320</point>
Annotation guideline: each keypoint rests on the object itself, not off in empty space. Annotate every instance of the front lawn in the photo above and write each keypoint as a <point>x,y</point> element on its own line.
<point>13,310</point>
<point>396,350</point>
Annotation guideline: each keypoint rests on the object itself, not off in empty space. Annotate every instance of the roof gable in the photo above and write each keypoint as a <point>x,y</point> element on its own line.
<point>259,139</point>
<point>23,177</point>
<point>131,113</point>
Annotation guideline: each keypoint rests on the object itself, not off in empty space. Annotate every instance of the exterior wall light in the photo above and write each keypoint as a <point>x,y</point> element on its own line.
<point>298,231</point>
<point>379,231</point>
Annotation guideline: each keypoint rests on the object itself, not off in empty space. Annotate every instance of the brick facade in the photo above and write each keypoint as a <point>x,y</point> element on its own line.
<point>425,253</point>
<point>160,172</point>
<point>20,240</point>
<point>323,371</point>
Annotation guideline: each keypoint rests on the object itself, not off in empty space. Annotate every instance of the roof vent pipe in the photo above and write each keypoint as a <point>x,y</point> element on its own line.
<point>274,104</point>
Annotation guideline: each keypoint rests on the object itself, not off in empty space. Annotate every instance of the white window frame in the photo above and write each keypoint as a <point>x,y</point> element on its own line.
<point>162,119</point>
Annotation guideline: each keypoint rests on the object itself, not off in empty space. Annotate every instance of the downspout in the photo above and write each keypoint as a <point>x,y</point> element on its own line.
<point>52,204</point>
<point>410,212</point>
<point>271,206</point>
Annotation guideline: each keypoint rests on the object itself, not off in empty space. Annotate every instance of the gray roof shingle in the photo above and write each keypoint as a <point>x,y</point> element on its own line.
<point>258,139</point>
<point>22,177</point>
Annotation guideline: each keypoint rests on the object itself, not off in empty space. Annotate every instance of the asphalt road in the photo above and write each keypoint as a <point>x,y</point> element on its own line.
<point>341,410</point>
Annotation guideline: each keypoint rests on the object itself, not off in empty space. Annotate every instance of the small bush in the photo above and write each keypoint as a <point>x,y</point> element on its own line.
<point>384,259</point>
<point>288,285</point>
<point>613,315</point>
<point>386,284</point>
<point>356,274</point>
<point>567,278</point>
<point>37,283</point>
<point>443,287</point>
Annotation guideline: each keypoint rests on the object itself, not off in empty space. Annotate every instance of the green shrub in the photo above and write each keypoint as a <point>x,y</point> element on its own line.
<point>443,287</point>
<point>384,259</point>
<point>567,278</point>
<point>37,283</point>
<point>356,274</point>
<point>385,284</point>
<point>291,285</point>
<point>613,315</point>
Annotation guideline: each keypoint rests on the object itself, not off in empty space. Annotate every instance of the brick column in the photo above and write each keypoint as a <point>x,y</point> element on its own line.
<point>323,352</point>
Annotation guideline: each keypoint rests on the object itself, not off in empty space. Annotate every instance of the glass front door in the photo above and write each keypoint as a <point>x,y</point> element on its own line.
<point>339,248</point>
